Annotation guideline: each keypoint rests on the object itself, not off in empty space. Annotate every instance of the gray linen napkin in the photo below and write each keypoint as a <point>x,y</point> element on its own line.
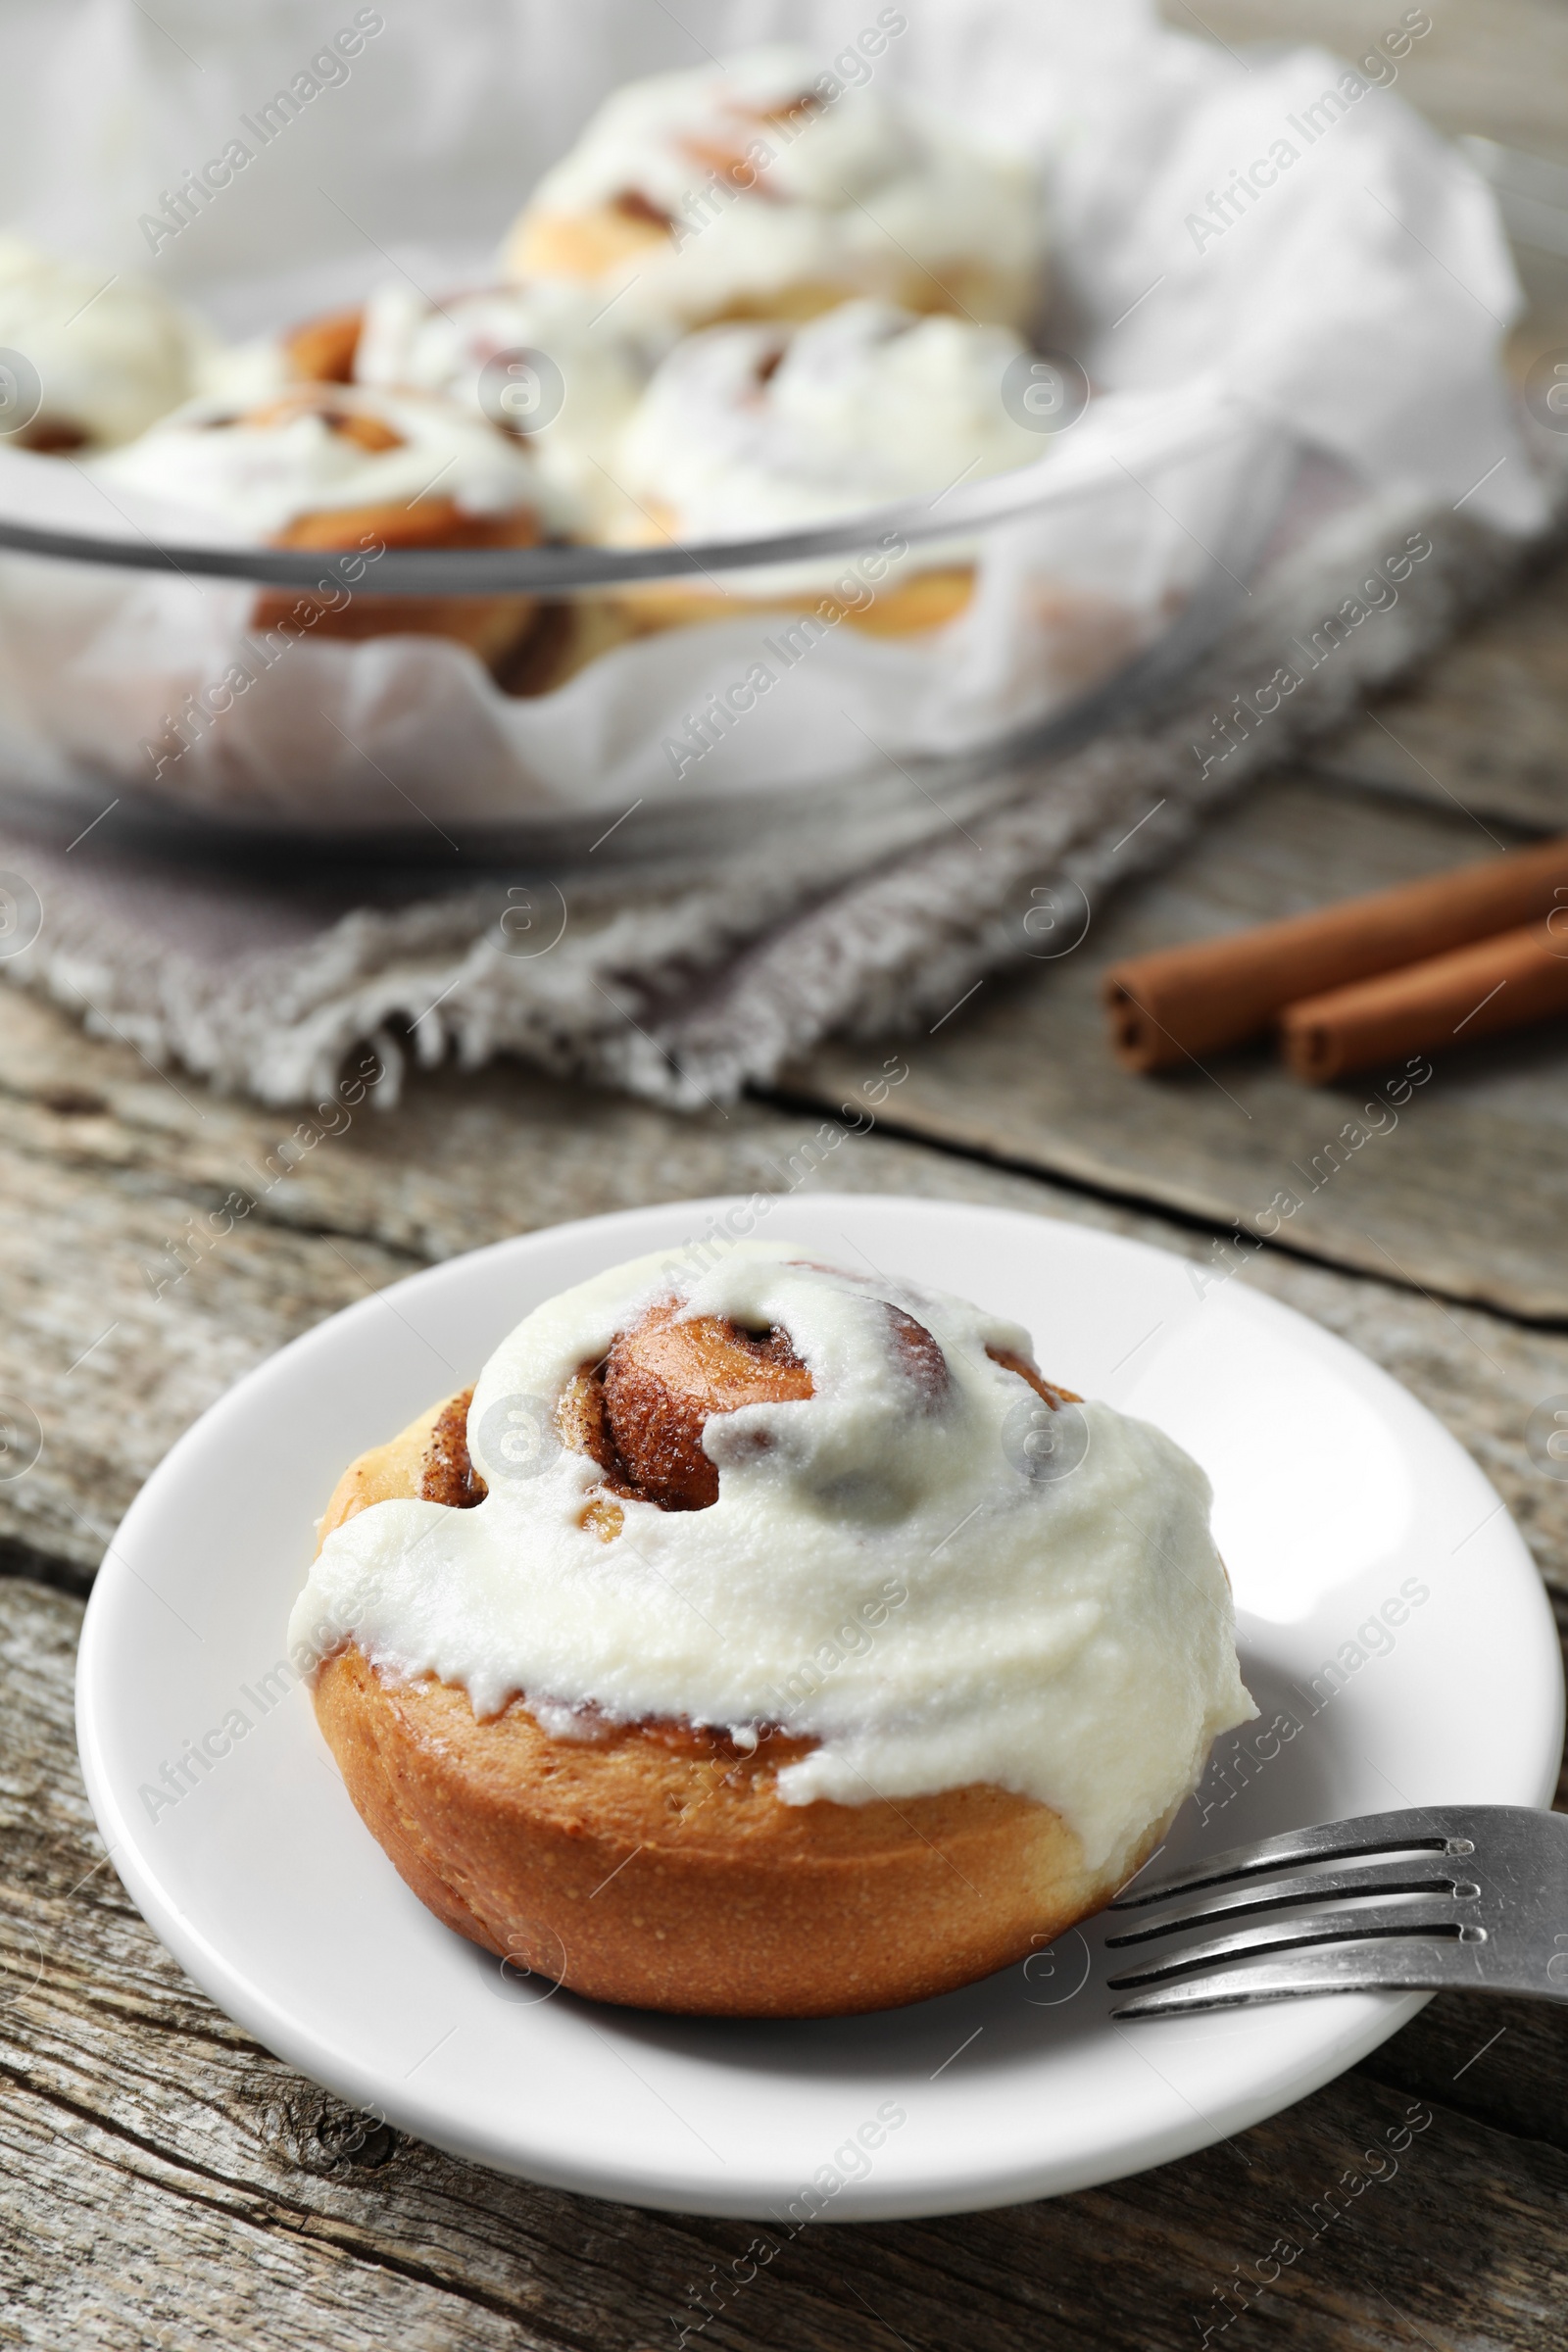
<point>703,957</point>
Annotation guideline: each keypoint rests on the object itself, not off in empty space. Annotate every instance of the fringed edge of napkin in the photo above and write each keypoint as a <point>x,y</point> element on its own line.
<point>687,988</point>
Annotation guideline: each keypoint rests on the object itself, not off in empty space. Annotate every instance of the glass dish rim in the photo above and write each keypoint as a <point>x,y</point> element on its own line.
<point>561,569</point>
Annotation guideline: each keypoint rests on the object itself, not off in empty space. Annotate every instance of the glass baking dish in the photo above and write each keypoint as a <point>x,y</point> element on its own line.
<point>213,686</point>
<point>1094,590</point>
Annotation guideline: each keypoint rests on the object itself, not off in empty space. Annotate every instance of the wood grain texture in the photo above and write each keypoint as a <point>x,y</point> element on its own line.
<point>1465,1196</point>
<point>1482,731</point>
<point>1498,68</point>
<point>115,1375</point>
<point>164,2181</point>
<point>104,1165</point>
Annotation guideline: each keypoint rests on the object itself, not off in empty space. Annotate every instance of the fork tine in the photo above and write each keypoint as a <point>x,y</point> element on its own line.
<point>1409,1876</point>
<point>1331,1842</point>
<point>1382,1964</point>
<point>1357,1922</point>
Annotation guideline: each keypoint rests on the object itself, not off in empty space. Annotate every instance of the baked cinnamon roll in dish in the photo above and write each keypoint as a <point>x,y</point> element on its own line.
<point>767,188</point>
<point>341,468</point>
<point>537,360</point>
<point>761,1640</point>
<point>749,430</point>
<point>111,354</point>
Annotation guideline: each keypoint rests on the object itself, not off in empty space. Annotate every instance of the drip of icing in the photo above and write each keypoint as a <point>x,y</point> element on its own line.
<point>772,185</point>
<point>747,429</point>
<point>260,469</point>
<point>410,342</point>
<point>881,1572</point>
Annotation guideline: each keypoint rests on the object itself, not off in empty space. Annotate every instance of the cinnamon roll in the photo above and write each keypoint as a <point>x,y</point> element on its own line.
<point>761,1639</point>
<point>767,188</point>
<point>109,353</point>
<point>537,360</point>
<point>345,468</point>
<point>749,430</point>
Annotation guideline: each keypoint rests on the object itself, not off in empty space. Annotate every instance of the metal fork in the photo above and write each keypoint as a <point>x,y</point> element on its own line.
<point>1468,1898</point>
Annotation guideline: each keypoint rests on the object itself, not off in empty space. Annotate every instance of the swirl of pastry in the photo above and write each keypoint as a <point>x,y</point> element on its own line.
<point>729,1650</point>
<point>746,430</point>
<point>763,188</point>
<point>342,469</point>
<point>111,354</point>
<point>539,361</point>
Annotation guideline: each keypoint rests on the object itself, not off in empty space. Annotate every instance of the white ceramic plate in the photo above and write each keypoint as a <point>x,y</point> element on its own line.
<point>1339,1499</point>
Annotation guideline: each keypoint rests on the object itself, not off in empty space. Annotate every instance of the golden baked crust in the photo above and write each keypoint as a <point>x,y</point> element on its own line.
<point>585,244</point>
<point>654,1864</point>
<point>322,351</point>
<point>928,601</point>
<point>570,635</point>
<point>664,1872</point>
<point>492,625</point>
<point>626,229</point>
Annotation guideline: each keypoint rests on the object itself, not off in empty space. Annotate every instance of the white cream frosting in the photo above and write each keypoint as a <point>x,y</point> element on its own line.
<point>244,374</point>
<point>879,1570</point>
<point>259,470</point>
<point>746,429</point>
<point>112,353</point>
<point>410,341</point>
<point>858,191</point>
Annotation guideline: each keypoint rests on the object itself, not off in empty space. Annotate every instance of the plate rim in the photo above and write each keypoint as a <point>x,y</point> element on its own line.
<point>1373,2020</point>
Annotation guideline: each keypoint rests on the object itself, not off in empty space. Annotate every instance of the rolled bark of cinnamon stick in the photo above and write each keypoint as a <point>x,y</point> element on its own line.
<point>1447,999</point>
<point>1181,1002</point>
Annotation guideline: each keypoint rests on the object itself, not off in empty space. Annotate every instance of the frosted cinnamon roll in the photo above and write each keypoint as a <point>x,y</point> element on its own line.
<point>765,189</point>
<point>110,354</point>
<point>767,1641</point>
<point>750,430</point>
<point>341,467</point>
<point>536,360</point>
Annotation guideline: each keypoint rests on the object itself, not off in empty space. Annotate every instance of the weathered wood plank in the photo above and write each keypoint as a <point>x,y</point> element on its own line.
<point>1485,728</point>
<point>166,2182</point>
<point>1465,1190</point>
<point>103,1166</point>
<point>163,2181</point>
<point>1500,68</point>
<point>94,1195</point>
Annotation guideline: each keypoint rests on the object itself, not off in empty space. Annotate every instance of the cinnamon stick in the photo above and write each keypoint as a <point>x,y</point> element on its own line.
<point>1180,1004</point>
<point>1446,1000</point>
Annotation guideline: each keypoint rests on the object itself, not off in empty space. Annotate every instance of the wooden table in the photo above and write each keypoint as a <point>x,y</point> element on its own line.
<point>164,2182</point>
